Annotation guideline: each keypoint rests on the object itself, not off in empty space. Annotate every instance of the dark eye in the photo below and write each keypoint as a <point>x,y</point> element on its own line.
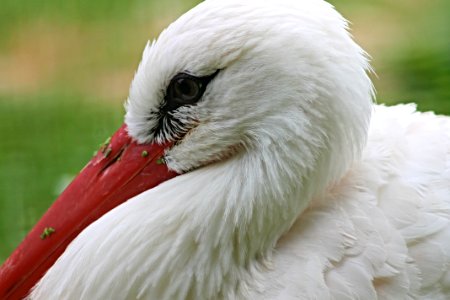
<point>186,89</point>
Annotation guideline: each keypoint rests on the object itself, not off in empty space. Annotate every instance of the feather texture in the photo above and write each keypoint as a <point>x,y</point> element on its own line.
<point>296,186</point>
<point>382,232</point>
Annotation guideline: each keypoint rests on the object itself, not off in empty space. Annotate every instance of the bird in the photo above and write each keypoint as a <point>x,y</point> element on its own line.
<point>253,163</point>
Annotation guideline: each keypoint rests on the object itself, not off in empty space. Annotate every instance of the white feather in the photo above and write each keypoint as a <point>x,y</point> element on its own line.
<point>317,200</point>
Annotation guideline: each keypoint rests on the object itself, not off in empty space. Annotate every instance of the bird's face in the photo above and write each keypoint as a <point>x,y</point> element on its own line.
<point>207,84</point>
<point>227,77</point>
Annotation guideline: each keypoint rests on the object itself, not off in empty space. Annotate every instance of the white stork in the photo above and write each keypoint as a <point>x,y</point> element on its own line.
<point>292,184</point>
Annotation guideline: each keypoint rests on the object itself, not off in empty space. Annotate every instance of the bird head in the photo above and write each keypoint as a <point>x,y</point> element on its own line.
<point>230,76</point>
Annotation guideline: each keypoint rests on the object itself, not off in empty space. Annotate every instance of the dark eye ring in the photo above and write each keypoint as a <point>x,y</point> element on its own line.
<point>186,89</point>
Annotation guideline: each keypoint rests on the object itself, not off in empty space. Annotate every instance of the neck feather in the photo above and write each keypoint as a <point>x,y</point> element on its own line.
<point>203,239</point>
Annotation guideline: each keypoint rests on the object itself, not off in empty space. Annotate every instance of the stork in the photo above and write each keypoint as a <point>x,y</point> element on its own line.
<point>253,164</point>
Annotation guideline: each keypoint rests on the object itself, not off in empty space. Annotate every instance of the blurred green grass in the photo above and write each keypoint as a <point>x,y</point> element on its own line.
<point>425,78</point>
<point>65,67</point>
<point>43,142</point>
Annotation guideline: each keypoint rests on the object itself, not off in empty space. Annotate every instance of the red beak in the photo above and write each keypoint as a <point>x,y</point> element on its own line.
<point>120,170</point>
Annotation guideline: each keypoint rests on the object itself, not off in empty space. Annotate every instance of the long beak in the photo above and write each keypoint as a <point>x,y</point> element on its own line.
<point>120,170</point>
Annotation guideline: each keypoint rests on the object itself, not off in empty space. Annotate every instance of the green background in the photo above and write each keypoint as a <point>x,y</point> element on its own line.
<point>65,68</point>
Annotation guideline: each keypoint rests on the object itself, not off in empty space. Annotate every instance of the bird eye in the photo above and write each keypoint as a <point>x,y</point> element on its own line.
<point>186,89</point>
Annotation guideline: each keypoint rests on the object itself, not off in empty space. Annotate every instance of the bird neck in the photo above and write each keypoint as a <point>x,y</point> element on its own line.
<point>229,217</point>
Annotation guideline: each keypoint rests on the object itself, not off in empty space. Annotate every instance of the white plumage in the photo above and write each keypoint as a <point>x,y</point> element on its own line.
<point>296,186</point>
